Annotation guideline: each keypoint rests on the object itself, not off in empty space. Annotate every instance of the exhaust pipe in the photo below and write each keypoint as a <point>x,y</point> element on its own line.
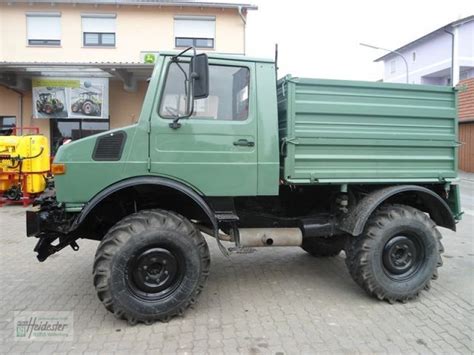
<point>266,237</point>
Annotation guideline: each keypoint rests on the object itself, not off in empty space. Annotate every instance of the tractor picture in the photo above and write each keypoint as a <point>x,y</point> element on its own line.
<point>88,103</point>
<point>49,103</point>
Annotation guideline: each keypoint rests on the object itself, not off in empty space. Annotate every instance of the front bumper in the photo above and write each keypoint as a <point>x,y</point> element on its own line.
<point>50,224</point>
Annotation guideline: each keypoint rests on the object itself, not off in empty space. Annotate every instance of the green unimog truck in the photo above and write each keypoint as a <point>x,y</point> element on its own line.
<point>222,148</point>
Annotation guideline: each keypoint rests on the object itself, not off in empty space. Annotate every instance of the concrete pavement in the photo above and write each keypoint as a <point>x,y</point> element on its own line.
<point>274,301</point>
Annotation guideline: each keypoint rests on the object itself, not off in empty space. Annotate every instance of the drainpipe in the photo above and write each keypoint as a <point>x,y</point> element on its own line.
<point>452,55</point>
<point>244,20</point>
<point>20,109</point>
<point>456,69</point>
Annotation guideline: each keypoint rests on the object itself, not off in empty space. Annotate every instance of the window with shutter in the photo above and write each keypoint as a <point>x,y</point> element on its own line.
<point>195,31</point>
<point>98,30</point>
<point>43,28</point>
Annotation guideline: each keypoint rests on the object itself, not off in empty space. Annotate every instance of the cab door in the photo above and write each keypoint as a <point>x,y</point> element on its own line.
<point>215,150</point>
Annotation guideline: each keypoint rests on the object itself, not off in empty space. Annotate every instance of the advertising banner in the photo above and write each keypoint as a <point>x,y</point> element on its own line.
<point>70,98</point>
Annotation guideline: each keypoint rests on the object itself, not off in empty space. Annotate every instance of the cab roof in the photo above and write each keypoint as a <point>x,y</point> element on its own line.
<point>221,56</point>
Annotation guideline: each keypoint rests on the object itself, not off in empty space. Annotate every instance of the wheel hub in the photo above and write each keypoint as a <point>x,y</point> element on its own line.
<point>155,270</point>
<point>401,255</point>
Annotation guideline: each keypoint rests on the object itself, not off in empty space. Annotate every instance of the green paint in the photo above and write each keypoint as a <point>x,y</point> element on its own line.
<point>454,201</point>
<point>349,131</point>
<point>149,58</point>
<point>202,152</point>
<point>62,83</point>
<point>328,132</point>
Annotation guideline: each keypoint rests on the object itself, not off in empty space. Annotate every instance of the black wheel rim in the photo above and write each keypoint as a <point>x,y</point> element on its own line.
<point>155,273</point>
<point>403,256</point>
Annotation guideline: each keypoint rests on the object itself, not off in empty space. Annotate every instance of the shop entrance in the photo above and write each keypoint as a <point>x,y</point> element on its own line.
<point>63,130</point>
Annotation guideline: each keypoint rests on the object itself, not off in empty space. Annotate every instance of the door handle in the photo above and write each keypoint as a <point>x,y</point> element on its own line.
<point>244,143</point>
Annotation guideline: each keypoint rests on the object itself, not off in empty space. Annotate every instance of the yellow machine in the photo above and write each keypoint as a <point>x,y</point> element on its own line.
<point>24,163</point>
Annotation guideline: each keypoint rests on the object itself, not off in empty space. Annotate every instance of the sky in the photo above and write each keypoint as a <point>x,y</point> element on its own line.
<point>321,38</point>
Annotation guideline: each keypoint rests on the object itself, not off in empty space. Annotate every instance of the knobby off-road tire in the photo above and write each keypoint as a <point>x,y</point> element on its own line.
<point>397,255</point>
<point>324,247</point>
<point>151,266</point>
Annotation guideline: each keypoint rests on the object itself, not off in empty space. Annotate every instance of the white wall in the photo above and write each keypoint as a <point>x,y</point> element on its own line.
<point>433,58</point>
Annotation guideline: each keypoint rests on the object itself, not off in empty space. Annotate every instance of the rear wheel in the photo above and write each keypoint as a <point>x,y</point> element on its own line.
<point>324,247</point>
<point>397,255</point>
<point>151,266</point>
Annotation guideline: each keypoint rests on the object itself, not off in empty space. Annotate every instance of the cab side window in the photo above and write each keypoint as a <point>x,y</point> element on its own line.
<point>228,93</point>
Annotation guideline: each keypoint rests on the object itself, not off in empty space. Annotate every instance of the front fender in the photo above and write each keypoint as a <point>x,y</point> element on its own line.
<point>146,180</point>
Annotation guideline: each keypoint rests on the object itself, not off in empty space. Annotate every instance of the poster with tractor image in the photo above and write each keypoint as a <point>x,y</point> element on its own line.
<point>70,98</point>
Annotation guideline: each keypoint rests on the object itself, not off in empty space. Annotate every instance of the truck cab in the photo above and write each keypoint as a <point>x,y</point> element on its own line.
<point>230,135</point>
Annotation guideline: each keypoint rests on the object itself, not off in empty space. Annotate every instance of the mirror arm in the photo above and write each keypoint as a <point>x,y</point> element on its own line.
<point>175,58</point>
<point>189,104</point>
<point>181,68</point>
<point>190,94</point>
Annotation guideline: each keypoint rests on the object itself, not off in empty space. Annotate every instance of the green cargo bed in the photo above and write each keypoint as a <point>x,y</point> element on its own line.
<point>334,131</point>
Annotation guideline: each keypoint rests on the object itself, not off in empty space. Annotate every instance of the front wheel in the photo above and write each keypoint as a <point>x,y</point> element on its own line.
<point>89,108</point>
<point>48,109</point>
<point>397,255</point>
<point>151,266</point>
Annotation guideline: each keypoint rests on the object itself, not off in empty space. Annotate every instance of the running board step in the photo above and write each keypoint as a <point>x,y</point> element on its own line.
<point>226,217</point>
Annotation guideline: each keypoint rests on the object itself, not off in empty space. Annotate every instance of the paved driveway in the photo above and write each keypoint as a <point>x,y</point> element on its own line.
<point>273,301</point>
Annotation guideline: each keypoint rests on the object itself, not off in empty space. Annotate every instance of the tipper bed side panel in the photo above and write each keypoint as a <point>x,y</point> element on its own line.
<point>349,131</point>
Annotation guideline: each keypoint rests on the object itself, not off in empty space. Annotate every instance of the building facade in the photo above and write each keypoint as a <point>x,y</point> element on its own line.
<point>430,59</point>
<point>442,57</point>
<point>56,55</point>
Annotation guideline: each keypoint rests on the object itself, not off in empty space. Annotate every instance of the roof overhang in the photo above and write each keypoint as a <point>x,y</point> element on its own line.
<point>18,75</point>
<point>159,3</point>
<point>441,29</point>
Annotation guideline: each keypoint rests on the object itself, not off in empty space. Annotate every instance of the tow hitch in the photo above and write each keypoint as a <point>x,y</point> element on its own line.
<point>50,223</point>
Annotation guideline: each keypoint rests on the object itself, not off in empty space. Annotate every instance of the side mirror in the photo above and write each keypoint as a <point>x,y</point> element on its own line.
<point>199,70</point>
